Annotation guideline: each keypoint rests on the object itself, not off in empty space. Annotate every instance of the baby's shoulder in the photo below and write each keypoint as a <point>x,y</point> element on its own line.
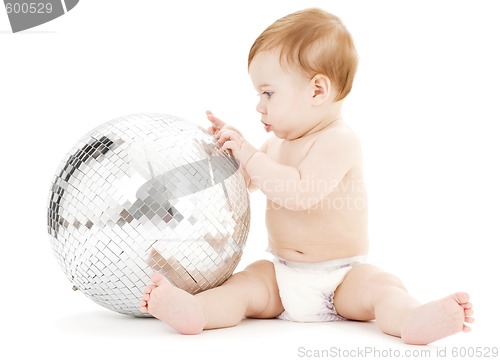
<point>338,135</point>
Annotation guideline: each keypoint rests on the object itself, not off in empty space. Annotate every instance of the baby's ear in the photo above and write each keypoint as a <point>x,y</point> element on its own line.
<point>322,89</point>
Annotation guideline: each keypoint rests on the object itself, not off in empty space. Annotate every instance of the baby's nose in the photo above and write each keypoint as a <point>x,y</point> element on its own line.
<point>260,108</point>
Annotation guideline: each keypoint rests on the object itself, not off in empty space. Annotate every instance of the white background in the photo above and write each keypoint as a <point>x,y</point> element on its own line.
<point>424,103</point>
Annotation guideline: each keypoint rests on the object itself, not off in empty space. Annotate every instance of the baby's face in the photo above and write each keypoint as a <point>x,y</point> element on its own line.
<point>284,96</point>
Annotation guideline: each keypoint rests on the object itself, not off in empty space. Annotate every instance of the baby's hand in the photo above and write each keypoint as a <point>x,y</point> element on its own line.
<point>231,139</point>
<point>218,125</point>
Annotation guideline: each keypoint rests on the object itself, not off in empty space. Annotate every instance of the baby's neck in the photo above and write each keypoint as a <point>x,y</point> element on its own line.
<point>330,115</point>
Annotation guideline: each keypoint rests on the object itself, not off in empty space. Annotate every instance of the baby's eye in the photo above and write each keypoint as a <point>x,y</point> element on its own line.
<point>268,94</point>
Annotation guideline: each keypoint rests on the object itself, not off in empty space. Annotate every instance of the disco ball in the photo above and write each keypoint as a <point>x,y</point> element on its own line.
<point>145,193</point>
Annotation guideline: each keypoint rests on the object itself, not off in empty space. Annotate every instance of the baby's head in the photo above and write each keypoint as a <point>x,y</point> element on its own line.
<point>313,42</point>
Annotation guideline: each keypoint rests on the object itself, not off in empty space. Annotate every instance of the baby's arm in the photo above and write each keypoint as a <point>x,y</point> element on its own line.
<point>251,185</point>
<point>328,160</point>
<point>332,155</point>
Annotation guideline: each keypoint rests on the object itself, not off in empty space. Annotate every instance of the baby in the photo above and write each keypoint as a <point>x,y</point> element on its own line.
<point>311,171</point>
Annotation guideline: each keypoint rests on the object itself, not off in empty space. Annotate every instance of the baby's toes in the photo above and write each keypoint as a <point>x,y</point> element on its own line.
<point>463,299</point>
<point>469,319</point>
<point>148,290</point>
<point>466,306</point>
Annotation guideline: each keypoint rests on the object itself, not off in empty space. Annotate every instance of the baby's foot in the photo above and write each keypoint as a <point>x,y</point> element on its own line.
<point>179,309</point>
<point>438,319</point>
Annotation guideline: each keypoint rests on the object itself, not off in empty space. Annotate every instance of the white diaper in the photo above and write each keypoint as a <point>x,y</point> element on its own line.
<point>307,289</point>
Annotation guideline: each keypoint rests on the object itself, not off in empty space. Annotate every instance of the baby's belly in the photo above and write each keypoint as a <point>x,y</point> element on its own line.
<point>316,236</point>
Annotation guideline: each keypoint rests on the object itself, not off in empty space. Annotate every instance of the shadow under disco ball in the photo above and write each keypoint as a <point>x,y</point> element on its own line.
<point>142,193</point>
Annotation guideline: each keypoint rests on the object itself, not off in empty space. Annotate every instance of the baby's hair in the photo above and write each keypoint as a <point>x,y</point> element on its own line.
<point>315,42</point>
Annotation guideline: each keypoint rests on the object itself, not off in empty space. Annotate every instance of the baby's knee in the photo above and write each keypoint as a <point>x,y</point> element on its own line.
<point>255,275</point>
<point>370,277</point>
<point>261,272</point>
<point>261,265</point>
<point>383,279</point>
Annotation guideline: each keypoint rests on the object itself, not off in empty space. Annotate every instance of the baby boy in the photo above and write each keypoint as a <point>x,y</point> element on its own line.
<point>311,171</point>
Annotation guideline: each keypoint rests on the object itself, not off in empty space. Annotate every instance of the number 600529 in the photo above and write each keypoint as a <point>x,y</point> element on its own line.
<point>28,8</point>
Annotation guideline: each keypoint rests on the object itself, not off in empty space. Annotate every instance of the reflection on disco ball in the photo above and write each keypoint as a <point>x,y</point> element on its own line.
<point>142,193</point>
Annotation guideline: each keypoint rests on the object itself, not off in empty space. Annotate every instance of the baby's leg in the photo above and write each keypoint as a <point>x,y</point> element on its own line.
<point>250,293</point>
<point>368,293</point>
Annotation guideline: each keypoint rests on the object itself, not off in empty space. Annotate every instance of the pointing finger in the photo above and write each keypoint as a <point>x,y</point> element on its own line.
<point>216,122</point>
